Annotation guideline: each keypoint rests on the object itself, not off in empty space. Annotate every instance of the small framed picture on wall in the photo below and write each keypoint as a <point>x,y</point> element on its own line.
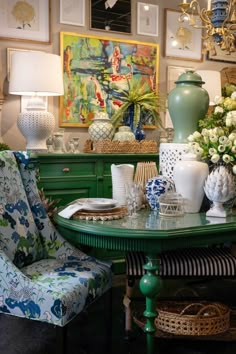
<point>72,12</point>
<point>27,21</point>
<point>147,19</point>
<point>181,41</point>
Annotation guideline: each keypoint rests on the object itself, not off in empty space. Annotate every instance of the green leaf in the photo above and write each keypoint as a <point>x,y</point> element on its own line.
<point>139,95</point>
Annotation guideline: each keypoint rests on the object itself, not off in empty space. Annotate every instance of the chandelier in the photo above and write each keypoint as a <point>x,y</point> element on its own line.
<point>218,21</point>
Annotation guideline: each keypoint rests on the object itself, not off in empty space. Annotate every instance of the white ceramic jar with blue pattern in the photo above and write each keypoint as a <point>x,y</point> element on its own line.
<point>124,134</point>
<point>155,187</point>
<point>101,128</point>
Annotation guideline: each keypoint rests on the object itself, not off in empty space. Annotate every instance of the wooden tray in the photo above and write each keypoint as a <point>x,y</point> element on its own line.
<point>116,213</point>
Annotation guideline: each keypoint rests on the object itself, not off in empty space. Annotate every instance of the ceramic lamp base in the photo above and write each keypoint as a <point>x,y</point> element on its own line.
<point>36,127</point>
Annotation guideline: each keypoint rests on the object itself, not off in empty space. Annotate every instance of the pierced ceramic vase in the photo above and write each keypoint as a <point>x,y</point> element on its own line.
<point>219,188</point>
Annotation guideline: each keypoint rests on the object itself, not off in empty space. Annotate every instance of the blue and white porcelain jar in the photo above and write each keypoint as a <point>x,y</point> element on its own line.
<point>155,187</point>
<point>101,128</point>
<point>124,134</point>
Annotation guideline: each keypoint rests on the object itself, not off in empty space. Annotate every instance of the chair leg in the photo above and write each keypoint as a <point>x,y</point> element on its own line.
<point>108,318</point>
<point>130,282</point>
<point>61,340</point>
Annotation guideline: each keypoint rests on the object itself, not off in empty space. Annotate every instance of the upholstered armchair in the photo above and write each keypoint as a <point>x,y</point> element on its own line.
<point>42,276</point>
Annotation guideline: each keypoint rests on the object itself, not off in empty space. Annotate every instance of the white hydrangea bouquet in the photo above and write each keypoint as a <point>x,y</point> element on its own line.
<point>215,141</point>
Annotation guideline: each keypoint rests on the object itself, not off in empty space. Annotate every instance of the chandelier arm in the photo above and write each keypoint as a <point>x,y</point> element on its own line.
<point>228,10</point>
<point>222,31</point>
<point>182,17</point>
<point>203,14</point>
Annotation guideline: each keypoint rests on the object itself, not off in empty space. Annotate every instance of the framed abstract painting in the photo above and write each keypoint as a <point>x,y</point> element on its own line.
<point>96,67</point>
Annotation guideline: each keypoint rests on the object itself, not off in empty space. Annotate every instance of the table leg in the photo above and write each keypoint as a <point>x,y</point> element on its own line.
<point>150,285</point>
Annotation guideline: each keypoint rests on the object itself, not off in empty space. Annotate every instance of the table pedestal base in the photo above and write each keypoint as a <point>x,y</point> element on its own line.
<point>150,286</point>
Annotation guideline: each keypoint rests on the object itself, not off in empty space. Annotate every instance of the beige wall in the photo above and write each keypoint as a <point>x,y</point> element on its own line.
<point>11,107</point>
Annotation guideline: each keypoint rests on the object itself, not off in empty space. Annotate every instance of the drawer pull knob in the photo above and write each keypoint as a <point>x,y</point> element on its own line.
<point>66,169</point>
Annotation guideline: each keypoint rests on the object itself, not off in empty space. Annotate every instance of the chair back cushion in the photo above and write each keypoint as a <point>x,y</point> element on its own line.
<point>19,236</point>
<point>53,242</point>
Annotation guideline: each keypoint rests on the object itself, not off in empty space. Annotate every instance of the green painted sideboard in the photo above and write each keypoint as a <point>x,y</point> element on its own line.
<point>72,176</point>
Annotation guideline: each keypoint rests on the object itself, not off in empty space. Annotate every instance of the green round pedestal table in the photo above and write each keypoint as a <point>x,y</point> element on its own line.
<point>152,234</point>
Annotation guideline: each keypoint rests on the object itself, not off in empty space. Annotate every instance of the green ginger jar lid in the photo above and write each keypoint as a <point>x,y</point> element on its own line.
<point>190,77</point>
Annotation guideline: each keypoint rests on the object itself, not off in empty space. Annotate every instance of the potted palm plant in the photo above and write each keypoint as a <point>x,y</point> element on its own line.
<point>138,102</point>
<point>4,146</point>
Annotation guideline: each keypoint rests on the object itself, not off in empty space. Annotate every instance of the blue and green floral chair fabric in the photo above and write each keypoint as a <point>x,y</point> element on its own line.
<point>42,276</point>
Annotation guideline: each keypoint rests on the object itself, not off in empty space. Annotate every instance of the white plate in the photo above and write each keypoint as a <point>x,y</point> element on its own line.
<point>97,203</point>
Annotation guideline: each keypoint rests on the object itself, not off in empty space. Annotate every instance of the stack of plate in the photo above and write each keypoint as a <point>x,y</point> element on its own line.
<point>97,204</point>
<point>89,204</point>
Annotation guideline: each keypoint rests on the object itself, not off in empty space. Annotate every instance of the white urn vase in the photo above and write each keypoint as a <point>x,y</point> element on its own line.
<point>220,188</point>
<point>189,176</point>
<point>124,134</point>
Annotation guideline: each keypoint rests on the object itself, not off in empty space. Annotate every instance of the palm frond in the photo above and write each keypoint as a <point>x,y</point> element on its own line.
<point>139,95</point>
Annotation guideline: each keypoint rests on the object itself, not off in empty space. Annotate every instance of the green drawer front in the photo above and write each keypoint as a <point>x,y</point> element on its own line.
<point>67,169</point>
<point>107,187</point>
<point>70,192</point>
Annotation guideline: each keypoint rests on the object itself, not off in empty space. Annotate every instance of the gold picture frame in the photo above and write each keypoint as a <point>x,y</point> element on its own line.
<point>94,67</point>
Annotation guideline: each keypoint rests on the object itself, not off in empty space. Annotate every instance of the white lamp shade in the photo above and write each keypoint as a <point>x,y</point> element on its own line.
<point>212,84</point>
<point>36,73</point>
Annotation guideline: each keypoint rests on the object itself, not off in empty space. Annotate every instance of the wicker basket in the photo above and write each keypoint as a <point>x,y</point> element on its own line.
<point>117,147</point>
<point>195,319</point>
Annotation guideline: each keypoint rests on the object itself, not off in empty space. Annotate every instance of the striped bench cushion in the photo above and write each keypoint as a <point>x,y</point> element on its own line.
<point>193,262</point>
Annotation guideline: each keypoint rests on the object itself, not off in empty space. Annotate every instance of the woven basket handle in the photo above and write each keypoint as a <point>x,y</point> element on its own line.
<point>202,309</point>
<point>189,306</point>
<point>207,307</point>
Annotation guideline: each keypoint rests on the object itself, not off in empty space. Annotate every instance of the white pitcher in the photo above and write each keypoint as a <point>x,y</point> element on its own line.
<point>121,175</point>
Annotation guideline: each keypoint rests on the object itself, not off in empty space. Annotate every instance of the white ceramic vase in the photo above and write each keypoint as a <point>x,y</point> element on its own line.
<point>220,188</point>
<point>124,134</point>
<point>189,176</point>
<point>122,175</point>
<point>58,142</point>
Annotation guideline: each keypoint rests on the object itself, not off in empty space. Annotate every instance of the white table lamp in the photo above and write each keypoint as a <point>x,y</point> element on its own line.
<point>36,74</point>
<point>212,84</point>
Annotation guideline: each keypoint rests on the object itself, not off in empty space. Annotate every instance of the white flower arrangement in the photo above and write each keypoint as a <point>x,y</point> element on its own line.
<point>216,141</point>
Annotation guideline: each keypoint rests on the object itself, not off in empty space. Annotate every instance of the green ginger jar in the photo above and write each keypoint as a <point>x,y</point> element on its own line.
<point>187,103</point>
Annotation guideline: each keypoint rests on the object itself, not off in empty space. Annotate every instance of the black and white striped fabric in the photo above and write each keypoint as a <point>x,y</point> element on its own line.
<point>193,262</point>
